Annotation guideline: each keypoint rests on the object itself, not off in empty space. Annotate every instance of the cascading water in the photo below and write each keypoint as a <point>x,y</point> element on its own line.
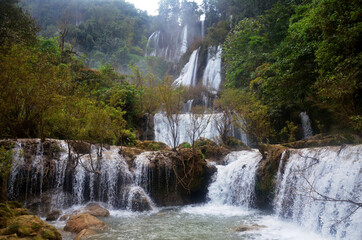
<point>153,44</point>
<point>317,188</point>
<point>188,106</point>
<point>202,29</point>
<point>184,43</point>
<point>234,183</point>
<point>189,71</point>
<point>163,131</point>
<point>212,74</point>
<point>169,45</point>
<point>306,125</point>
<point>108,180</point>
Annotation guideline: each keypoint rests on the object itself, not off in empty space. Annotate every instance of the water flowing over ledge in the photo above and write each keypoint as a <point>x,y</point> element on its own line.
<point>303,179</point>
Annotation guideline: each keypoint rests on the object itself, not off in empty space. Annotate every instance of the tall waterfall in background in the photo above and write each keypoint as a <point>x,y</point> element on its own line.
<point>309,176</point>
<point>306,125</point>
<point>212,74</point>
<point>202,29</point>
<point>184,43</point>
<point>234,183</point>
<point>170,45</point>
<point>189,71</point>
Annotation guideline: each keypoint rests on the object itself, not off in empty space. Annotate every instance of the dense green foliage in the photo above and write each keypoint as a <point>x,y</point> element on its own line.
<point>47,92</point>
<point>280,58</point>
<point>304,56</point>
<point>105,31</point>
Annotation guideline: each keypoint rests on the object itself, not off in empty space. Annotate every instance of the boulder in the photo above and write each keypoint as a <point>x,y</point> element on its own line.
<point>96,210</point>
<point>84,234</point>
<point>31,227</point>
<point>139,202</point>
<point>84,221</point>
<point>54,215</point>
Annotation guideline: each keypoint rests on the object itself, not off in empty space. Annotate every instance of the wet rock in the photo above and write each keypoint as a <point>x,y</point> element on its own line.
<point>96,210</point>
<point>84,221</point>
<point>84,234</point>
<point>31,227</point>
<point>266,174</point>
<point>249,228</point>
<point>53,215</point>
<point>139,202</point>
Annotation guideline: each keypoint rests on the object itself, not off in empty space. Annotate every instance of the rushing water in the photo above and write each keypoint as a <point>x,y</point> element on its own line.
<point>189,71</point>
<point>306,125</point>
<point>196,222</point>
<point>315,188</point>
<point>230,196</point>
<point>314,191</point>
<point>212,73</point>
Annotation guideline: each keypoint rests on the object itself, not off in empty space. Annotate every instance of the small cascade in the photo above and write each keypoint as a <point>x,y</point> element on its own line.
<point>142,171</point>
<point>169,45</point>
<point>202,29</point>
<point>188,73</point>
<point>153,44</point>
<point>184,43</point>
<point>316,186</point>
<point>212,74</point>
<point>188,106</point>
<point>234,183</point>
<point>306,125</point>
<point>65,181</point>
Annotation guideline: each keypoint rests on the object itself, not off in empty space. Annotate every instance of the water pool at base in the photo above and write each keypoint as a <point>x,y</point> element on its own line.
<point>197,222</point>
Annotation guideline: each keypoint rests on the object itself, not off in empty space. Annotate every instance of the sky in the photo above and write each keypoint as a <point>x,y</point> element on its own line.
<point>150,6</point>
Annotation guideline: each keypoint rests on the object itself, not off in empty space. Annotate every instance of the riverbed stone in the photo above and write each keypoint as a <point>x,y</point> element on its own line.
<point>84,221</point>
<point>84,234</point>
<point>96,210</point>
<point>249,228</point>
<point>54,215</point>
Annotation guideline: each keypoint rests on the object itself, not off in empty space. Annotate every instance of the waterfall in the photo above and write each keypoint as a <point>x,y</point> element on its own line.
<point>311,175</point>
<point>108,180</point>
<point>142,171</point>
<point>184,43</point>
<point>202,29</point>
<point>212,74</point>
<point>188,106</point>
<point>153,42</point>
<point>163,131</point>
<point>168,45</point>
<point>234,183</point>
<point>306,125</point>
<point>188,75</point>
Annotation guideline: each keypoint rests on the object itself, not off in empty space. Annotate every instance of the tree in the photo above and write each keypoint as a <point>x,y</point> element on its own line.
<point>15,25</point>
<point>172,100</point>
<point>31,84</point>
<point>199,120</point>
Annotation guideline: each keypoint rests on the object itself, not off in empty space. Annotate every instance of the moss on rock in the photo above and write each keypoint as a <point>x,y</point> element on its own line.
<point>17,223</point>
